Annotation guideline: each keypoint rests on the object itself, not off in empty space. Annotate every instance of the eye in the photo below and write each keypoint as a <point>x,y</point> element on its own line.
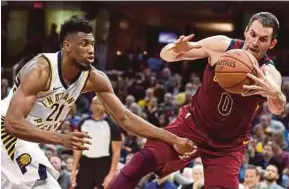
<point>83,44</point>
<point>263,39</point>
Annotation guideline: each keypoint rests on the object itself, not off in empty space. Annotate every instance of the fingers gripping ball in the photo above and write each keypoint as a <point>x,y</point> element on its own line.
<point>232,68</point>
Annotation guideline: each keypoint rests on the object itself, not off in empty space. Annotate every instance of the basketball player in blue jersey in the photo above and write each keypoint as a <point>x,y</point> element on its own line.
<point>43,93</point>
<point>216,121</point>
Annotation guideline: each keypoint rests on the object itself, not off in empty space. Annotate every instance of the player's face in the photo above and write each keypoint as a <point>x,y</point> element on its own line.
<point>251,178</point>
<point>258,39</point>
<point>81,49</point>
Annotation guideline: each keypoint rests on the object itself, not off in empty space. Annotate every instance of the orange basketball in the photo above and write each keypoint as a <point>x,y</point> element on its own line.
<point>232,68</point>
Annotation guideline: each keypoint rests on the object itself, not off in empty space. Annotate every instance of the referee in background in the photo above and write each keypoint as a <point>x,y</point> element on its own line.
<point>97,166</point>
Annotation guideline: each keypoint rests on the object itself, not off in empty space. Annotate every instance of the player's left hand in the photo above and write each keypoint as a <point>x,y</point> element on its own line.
<point>188,156</point>
<point>185,146</point>
<point>264,84</point>
<point>107,180</point>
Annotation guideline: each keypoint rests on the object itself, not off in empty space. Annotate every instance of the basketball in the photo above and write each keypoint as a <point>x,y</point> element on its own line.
<point>232,68</point>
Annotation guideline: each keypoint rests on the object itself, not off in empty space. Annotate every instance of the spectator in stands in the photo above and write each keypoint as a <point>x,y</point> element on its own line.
<point>195,79</point>
<point>155,63</point>
<point>165,77</point>
<point>134,107</point>
<point>64,178</point>
<point>260,136</point>
<point>263,159</point>
<point>129,100</point>
<point>50,151</point>
<point>198,178</point>
<point>69,165</point>
<point>271,125</point>
<point>282,159</point>
<point>137,88</point>
<point>161,183</point>
<point>184,97</point>
<point>244,166</point>
<point>167,105</point>
<point>271,177</point>
<point>175,84</point>
<point>252,177</point>
<point>130,145</point>
<point>159,91</point>
<point>148,99</point>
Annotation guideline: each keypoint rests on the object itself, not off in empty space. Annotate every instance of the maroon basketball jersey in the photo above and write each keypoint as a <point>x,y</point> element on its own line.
<point>222,115</point>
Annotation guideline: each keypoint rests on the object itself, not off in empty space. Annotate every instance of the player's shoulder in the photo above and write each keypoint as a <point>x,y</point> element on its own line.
<point>95,73</point>
<point>34,76</point>
<point>268,61</point>
<point>38,66</point>
<point>97,81</point>
<point>97,76</point>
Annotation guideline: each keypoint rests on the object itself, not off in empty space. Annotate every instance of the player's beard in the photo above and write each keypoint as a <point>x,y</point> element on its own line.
<point>82,66</point>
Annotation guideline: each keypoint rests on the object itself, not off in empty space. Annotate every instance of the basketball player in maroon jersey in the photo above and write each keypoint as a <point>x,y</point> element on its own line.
<point>218,122</point>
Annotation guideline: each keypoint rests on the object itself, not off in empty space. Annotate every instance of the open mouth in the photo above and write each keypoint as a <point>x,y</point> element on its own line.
<point>253,50</point>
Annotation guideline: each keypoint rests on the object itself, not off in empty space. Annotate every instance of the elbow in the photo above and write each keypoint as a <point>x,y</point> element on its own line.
<point>128,122</point>
<point>163,55</point>
<point>277,110</point>
<point>125,120</point>
<point>9,125</point>
<point>166,55</point>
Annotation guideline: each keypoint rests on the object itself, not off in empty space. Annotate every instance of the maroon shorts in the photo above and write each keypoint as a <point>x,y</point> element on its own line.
<point>221,160</point>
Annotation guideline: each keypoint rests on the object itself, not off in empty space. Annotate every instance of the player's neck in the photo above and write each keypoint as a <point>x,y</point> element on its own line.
<point>69,70</point>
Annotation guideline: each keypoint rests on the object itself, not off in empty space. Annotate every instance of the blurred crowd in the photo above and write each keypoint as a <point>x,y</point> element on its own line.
<point>155,90</point>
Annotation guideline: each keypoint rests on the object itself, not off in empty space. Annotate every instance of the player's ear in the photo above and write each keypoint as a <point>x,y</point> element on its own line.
<point>66,46</point>
<point>273,43</point>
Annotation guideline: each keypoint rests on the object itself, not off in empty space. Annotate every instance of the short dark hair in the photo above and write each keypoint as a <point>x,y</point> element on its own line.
<point>253,167</point>
<point>267,19</point>
<point>73,25</point>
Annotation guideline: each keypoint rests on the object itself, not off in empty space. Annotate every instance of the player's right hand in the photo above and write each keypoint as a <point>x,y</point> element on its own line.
<point>182,44</point>
<point>76,140</point>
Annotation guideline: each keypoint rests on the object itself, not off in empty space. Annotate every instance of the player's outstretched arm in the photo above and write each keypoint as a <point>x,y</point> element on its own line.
<point>33,81</point>
<point>100,83</point>
<point>183,49</point>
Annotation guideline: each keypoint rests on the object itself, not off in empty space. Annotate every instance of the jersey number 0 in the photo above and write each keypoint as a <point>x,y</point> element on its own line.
<point>225,104</point>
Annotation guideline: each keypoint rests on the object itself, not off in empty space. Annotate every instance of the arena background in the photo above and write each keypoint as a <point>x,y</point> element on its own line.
<point>129,38</point>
